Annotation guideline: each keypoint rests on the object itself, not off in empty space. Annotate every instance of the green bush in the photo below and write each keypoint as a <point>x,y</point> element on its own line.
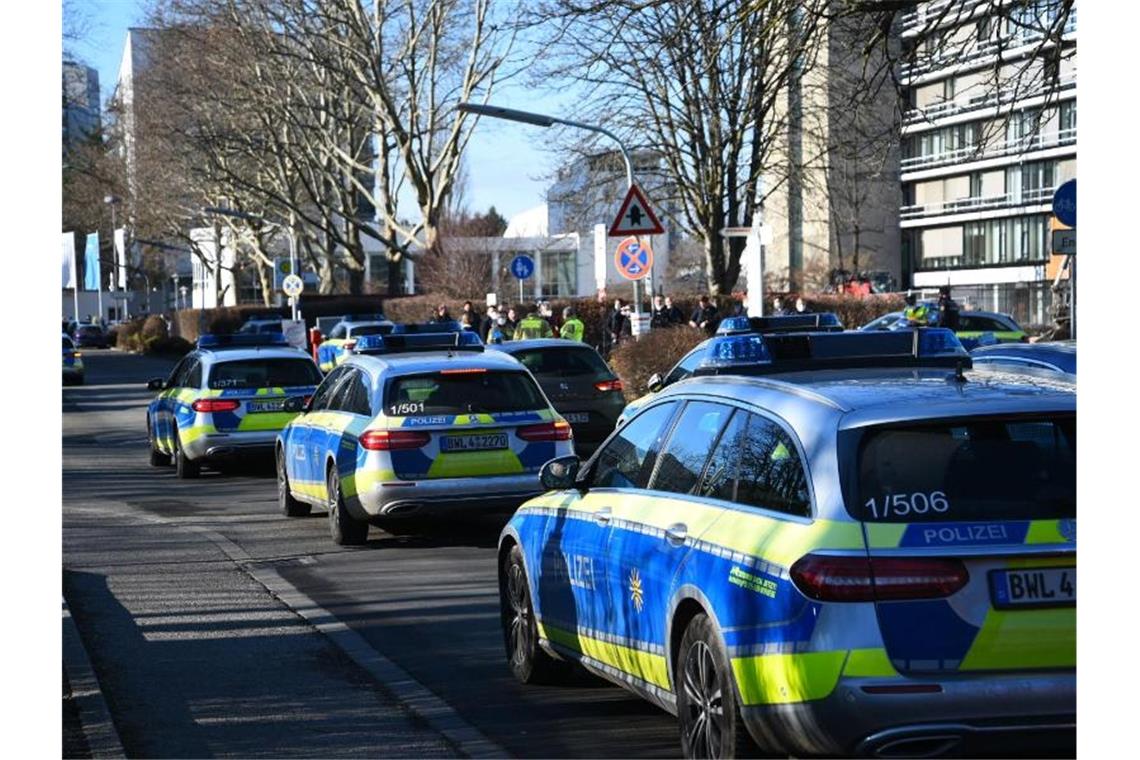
<point>170,346</point>
<point>635,361</point>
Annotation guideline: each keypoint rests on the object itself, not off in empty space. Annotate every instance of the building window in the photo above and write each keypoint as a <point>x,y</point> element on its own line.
<point>1068,115</point>
<point>559,275</point>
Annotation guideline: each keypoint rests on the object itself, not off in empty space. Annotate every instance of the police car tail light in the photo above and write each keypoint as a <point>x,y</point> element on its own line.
<point>609,385</point>
<point>349,345</point>
<point>559,430</point>
<point>392,440</point>
<point>215,405</point>
<point>859,579</point>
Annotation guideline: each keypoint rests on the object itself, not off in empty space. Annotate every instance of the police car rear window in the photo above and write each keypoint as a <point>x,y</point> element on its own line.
<point>564,362</point>
<point>1021,468</point>
<point>462,391</point>
<point>263,373</point>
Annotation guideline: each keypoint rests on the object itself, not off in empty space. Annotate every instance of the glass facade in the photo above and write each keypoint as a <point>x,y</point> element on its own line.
<point>1014,240</point>
<point>559,277</point>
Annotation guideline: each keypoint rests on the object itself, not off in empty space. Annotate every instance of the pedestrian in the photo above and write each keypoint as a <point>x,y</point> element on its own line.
<point>660,317</point>
<point>625,325</point>
<point>778,309</point>
<point>801,306</point>
<point>572,327</point>
<point>512,319</point>
<point>467,322</point>
<point>442,314</point>
<point>488,320</point>
<point>704,317</point>
<point>948,309</point>
<point>614,325</point>
<point>675,315</point>
<point>469,308</point>
<point>533,326</point>
<point>499,332</point>
<point>916,314</point>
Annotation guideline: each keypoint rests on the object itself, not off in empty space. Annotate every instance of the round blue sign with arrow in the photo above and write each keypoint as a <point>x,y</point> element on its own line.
<point>522,266</point>
<point>1065,203</point>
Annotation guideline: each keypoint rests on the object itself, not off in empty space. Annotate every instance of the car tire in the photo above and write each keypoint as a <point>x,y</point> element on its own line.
<point>183,466</point>
<point>289,506</point>
<point>343,527</point>
<point>707,706</point>
<point>157,458</point>
<point>528,662</point>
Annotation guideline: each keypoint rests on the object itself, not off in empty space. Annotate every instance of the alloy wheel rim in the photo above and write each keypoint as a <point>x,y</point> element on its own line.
<point>705,702</point>
<point>519,628</point>
<point>334,496</point>
<point>281,487</point>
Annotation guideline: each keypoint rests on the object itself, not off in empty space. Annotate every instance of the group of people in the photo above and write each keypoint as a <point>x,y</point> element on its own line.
<point>945,313</point>
<point>501,325</point>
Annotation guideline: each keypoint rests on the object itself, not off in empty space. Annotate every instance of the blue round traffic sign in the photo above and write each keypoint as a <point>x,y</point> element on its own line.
<point>1065,203</point>
<point>522,266</point>
<point>633,259</point>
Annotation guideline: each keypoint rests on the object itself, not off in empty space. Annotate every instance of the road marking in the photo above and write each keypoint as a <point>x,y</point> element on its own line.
<point>94,717</point>
<point>417,698</point>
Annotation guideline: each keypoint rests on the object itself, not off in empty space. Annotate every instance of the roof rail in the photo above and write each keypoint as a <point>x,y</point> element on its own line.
<point>215,342</point>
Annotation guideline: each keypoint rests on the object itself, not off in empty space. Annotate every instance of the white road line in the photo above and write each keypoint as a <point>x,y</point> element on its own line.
<point>94,717</point>
<point>419,699</point>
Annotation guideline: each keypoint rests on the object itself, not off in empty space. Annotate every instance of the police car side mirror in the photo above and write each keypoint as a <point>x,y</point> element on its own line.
<point>655,382</point>
<point>560,474</point>
<point>295,404</point>
<point>155,384</point>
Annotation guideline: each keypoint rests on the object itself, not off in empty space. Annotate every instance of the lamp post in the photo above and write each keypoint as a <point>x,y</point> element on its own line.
<point>542,120</point>
<point>223,211</point>
<point>113,201</point>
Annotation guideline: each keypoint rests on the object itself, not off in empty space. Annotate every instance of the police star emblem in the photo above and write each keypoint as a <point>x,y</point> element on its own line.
<point>636,595</point>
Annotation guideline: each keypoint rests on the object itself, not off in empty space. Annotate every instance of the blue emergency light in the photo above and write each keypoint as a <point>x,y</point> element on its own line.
<point>407,328</point>
<point>242,340</point>
<point>824,321</point>
<point>394,343</point>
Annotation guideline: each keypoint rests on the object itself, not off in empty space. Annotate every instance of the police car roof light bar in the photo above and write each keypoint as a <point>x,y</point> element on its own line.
<point>245,340</point>
<point>406,328</point>
<point>412,342</point>
<point>363,318</point>
<point>820,322</point>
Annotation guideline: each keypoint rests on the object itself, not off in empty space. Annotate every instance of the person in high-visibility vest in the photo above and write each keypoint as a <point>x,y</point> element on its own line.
<point>572,327</point>
<point>533,326</point>
<point>916,314</point>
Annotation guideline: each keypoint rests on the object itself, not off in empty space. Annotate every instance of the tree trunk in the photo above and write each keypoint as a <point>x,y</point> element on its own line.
<point>265,276</point>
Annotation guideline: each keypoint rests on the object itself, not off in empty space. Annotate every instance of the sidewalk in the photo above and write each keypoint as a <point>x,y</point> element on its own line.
<point>195,658</point>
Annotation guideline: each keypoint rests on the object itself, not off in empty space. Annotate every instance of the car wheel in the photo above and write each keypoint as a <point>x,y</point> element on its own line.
<point>184,467</point>
<point>157,458</point>
<point>343,527</point>
<point>290,506</point>
<point>528,662</point>
<point>707,708</point>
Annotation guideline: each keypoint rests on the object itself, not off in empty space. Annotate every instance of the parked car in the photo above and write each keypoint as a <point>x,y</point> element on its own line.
<point>91,336</point>
<point>73,372</point>
<point>1053,357</point>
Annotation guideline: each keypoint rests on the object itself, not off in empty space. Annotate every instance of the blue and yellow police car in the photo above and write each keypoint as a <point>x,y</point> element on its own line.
<point>419,424</point>
<point>226,399</point>
<point>829,544</point>
<point>342,338</point>
<point>73,371</point>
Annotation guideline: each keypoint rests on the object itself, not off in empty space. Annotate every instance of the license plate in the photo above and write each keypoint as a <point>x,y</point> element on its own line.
<point>265,406</point>
<point>1034,587</point>
<point>476,442</point>
<point>577,418</point>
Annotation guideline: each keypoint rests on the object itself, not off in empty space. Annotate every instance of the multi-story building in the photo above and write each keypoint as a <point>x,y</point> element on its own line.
<point>81,111</point>
<point>989,133</point>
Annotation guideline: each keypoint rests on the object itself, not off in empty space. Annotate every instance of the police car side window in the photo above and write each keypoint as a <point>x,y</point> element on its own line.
<point>628,459</point>
<point>719,480</point>
<point>684,368</point>
<point>194,375</point>
<point>178,374</point>
<point>682,459</point>
<point>325,389</point>
<point>338,332</point>
<point>352,396</point>
<point>771,473</point>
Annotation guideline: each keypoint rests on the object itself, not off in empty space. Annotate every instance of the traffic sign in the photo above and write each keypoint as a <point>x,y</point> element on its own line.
<point>292,285</point>
<point>1065,203</point>
<point>1065,242</point>
<point>522,266</point>
<point>635,217</point>
<point>634,259</point>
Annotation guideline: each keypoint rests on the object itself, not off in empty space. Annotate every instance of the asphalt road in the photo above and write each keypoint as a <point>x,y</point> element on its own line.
<point>176,589</point>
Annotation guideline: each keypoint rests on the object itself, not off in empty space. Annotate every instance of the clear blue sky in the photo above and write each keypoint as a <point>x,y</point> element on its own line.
<point>505,161</point>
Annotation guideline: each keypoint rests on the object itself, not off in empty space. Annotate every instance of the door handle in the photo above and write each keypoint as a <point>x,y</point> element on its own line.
<point>677,533</point>
<point>604,515</point>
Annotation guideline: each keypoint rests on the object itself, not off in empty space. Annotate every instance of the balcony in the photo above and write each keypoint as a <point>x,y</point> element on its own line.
<point>990,99</point>
<point>1035,196</point>
<point>1011,147</point>
<point>934,12</point>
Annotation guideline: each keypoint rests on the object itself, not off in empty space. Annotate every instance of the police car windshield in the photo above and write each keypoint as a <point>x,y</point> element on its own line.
<point>462,391</point>
<point>263,373</point>
<point>1017,468</point>
<point>564,362</point>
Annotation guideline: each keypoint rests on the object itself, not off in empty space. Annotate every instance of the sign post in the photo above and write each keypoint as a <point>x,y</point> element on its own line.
<point>292,285</point>
<point>634,261</point>
<point>522,267</point>
<point>635,217</point>
<point>1065,209</point>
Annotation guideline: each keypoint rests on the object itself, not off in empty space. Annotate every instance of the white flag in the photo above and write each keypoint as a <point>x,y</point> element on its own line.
<point>69,260</point>
<point>120,239</point>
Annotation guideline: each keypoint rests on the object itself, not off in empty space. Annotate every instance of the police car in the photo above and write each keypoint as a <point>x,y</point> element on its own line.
<point>1057,358</point>
<point>342,338</point>
<point>974,327</point>
<point>73,372</point>
<point>823,544</point>
<point>816,322</point>
<point>226,399</point>
<point>419,424</point>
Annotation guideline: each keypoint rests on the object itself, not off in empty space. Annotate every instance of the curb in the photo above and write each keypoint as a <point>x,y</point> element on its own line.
<point>94,717</point>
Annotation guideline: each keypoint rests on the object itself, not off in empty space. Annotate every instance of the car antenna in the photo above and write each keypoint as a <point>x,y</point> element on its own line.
<point>959,376</point>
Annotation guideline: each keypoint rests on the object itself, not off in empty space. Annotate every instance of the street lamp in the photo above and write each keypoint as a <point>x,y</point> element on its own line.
<point>542,120</point>
<point>223,211</point>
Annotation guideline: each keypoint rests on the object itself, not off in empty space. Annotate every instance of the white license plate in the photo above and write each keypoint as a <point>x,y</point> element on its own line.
<point>1034,587</point>
<point>265,406</point>
<point>577,418</point>
<point>477,442</point>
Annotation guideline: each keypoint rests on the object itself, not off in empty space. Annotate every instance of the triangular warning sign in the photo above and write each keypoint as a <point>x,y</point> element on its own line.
<point>635,216</point>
